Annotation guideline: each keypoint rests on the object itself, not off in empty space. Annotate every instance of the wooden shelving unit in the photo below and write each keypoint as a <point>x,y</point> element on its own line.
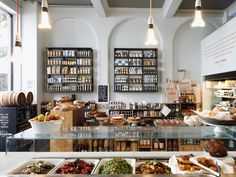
<point>69,70</point>
<point>135,70</point>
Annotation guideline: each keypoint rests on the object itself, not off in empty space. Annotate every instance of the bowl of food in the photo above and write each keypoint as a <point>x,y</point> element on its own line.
<point>46,124</point>
<point>114,166</point>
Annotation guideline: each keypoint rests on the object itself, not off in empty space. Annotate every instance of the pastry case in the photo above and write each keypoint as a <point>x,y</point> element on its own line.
<point>102,152</point>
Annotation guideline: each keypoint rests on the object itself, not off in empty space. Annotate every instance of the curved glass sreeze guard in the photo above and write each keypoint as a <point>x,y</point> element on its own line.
<point>105,132</point>
<point>33,141</point>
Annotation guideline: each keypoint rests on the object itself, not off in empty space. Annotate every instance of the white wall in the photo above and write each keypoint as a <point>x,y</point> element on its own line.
<point>81,27</point>
<point>187,49</point>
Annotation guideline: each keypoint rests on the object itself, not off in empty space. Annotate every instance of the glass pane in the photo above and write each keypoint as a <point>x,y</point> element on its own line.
<point>5,50</point>
<point>5,35</point>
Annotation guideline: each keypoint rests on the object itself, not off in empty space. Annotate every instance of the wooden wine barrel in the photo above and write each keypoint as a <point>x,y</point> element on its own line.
<point>12,98</point>
<point>29,97</point>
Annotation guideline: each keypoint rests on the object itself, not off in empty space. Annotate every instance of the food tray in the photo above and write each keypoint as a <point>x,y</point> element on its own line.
<point>173,164</point>
<point>17,171</point>
<point>94,161</point>
<point>225,169</point>
<point>142,162</point>
<point>219,122</point>
<point>213,120</point>
<point>103,161</point>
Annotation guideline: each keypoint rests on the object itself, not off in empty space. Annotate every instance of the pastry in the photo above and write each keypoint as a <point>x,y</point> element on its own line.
<point>215,148</point>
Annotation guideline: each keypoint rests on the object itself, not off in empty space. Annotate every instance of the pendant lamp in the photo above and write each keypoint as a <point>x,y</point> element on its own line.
<point>45,22</point>
<point>151,38</point>
<point>198,20</point>
<point>18,36</point>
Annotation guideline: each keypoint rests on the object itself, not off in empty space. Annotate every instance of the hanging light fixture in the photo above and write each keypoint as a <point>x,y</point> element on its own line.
<point>151,38</point>
<point>198,20</point>
<point>18,36</point>
<point>45,24</point>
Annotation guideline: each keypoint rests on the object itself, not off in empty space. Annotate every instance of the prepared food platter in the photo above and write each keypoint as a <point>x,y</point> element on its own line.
<point>116,166</point>
<point>182,165</point>
<point>76,166</point>
<point>212,165</point>
<point>37,166</point>
<point>152,167</point>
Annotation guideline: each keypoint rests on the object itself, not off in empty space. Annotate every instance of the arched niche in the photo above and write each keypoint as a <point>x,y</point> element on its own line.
<point>187,49</point>
<point>70,31</point>
<point>130,33</point>
<point>73,32</point>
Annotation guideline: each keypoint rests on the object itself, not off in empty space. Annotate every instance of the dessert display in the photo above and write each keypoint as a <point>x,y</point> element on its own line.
<point>169,122</point>
<point>185,164</point>
<point>193,120</point>
<point>40,167</point>
<point>209,163</point>
<point>117,120</point>
<point>116,166</point>
<point>134,120</point>
<point>152,167</point>
<point>47,117</point>
<point>100,114</point>
<point>67,104</point>
<point>45,124</point>
<point>76,167</point>
<point>216,148</point>
<point>232,113</point>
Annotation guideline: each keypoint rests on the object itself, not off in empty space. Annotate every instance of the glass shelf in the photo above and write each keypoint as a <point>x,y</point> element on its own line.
<point>104,132</point>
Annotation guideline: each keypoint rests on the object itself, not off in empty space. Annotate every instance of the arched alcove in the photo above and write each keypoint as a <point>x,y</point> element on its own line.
<point>73,32</point>
<point>187,49</point>
<point>130,33</point>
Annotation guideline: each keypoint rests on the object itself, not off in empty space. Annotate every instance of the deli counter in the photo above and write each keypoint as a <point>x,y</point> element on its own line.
<point>61,147</point>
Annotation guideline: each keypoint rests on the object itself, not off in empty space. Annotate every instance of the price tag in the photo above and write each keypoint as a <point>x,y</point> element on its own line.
<point>165,111</point>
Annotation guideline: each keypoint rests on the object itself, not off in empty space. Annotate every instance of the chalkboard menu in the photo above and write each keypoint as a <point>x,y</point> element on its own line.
<point>103,93</point>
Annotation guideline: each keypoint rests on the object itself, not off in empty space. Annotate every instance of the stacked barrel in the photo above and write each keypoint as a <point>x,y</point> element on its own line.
<point>16,98</point>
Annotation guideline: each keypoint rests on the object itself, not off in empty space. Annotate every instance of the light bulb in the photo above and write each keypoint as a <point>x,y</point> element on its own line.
<point>44,21</point>
<point>45,24</point>
<point>16,55</point>
<point>198,20</point>
<point>151,37</point>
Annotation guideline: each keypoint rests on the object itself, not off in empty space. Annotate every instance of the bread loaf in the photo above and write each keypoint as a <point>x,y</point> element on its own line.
<point>216,148</point>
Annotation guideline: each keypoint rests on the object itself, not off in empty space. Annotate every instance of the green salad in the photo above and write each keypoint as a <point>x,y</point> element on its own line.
<point>116,166</point>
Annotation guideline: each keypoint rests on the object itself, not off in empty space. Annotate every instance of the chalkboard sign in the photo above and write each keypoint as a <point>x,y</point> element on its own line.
<point>103,92</point>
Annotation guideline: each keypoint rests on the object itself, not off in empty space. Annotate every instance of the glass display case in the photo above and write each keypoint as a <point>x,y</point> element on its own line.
<point>105,142</point>
<point>107,138</point>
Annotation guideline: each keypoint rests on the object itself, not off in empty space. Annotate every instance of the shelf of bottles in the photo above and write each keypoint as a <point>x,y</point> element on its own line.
<point>135,70</point>
<point>69,70</point>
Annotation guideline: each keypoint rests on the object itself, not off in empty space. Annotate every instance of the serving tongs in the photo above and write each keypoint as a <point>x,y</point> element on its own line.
<point>218,173</point>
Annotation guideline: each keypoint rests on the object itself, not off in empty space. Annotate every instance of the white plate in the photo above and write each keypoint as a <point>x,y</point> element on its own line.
<point>17,171</point>
<point>94,161</point>
<point>103,161</point>
<point>173,164</point>
<point>225,169</point>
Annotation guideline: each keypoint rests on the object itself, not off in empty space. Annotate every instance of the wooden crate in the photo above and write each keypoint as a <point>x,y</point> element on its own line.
<point>71,118</point>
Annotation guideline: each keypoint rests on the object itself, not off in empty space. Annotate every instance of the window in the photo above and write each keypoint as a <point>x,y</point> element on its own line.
<point>5,50</point>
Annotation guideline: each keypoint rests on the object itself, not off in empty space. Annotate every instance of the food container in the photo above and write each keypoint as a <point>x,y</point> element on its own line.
<point>173,164</point>
<point>18,170</point>
<point>46,127</point>
<point>94,161</point>
<point>103,161</point>
<point>224,168</point>
<point>143,162</point>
